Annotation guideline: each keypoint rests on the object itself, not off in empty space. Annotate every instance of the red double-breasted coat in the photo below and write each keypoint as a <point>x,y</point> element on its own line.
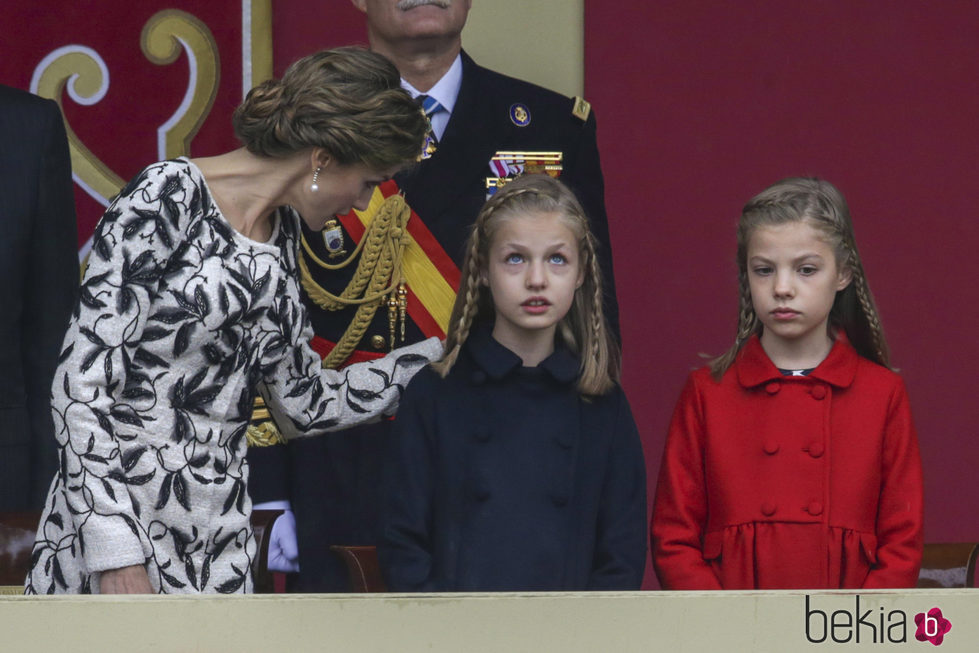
<point>772,481</point>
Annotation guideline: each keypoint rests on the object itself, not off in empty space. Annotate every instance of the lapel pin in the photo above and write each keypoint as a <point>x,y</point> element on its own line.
<point>520,114</point>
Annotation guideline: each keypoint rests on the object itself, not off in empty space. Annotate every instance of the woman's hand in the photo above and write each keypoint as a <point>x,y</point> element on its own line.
<point>126,580</point>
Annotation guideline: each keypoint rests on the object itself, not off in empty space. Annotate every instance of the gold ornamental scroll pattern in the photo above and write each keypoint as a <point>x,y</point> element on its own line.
<point>163,37</point>
<point>83,71</point>
<point>88,79</point>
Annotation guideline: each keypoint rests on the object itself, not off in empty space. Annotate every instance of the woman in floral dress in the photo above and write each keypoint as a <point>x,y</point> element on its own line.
<point>189,307</point>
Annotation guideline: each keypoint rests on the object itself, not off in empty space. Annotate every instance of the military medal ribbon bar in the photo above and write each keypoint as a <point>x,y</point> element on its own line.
<point>508,165</point>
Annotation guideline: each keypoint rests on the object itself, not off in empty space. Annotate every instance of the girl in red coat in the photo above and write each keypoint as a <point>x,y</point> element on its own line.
<point>792,461</point>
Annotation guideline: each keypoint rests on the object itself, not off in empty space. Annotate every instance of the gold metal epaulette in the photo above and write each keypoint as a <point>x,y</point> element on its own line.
<point>581,108</point>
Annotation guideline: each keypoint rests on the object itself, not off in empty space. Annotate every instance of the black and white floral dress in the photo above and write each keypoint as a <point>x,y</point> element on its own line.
<point>181,321</point>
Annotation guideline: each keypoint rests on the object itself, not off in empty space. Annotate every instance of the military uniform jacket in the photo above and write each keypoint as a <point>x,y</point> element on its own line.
<point>783,482</point>
<point>502,477</point>
<point>447,190</point>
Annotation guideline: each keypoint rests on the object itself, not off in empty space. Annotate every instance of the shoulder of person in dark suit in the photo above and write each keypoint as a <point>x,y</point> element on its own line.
<point>39,249</point>
<point>550,111</point>
<point>24,116</point>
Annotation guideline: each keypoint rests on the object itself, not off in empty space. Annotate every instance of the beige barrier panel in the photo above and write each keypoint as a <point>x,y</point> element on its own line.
<point>541,41</point>
<point>597,622</point>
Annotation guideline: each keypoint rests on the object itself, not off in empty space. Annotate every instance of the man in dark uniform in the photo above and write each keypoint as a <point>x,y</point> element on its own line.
<point>39,272</point>
<point>486,127</point>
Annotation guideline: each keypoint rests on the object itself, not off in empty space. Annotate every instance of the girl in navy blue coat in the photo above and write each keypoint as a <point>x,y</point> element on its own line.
<point>515,462</point>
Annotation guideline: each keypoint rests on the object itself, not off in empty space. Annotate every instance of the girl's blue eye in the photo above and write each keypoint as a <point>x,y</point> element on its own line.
<point>558,259</point>
<point>808,270</point>
<point>513,258</point>
<point>762,270</point>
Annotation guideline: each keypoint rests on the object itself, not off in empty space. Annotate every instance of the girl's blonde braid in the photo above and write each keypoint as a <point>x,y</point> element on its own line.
<point>867,306</point>
<point>597,312</point>
<point>747,319</point>
<point>472,298</point>
<point>747,325</point>
<point>468,312</point>
<point>600,376</point>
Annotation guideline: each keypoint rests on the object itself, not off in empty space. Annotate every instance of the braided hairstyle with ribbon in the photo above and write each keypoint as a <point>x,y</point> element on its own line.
<point>584,329</point>
<point>821,205</point>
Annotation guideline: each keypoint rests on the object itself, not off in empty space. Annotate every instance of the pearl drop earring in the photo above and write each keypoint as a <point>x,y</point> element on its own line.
<point>316,175</point>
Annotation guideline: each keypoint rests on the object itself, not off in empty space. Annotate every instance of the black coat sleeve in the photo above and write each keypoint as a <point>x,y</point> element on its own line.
<point>406,546</point>
<point>620,547</point>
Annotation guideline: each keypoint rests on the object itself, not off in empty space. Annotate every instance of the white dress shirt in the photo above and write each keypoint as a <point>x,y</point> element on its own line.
<point>446,91</point>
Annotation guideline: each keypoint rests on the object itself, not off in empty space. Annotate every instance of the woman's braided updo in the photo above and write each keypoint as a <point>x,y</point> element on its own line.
<point>349,101</point>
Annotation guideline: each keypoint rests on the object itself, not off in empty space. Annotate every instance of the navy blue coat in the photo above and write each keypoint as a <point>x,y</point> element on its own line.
<point>333,481</point>
<point>502,477</point>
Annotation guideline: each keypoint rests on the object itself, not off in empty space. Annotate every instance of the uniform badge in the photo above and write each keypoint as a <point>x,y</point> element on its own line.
<point>333,239</point>
<point>506,166</point>
<point>428,149</point>
<point>520,114</point>
<point>581,109</point>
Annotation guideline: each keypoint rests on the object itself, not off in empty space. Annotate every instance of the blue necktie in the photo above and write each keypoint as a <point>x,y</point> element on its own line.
<point>430,105</point>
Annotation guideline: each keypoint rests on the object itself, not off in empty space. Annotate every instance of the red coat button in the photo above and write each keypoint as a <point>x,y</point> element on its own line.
<point>818,392</point>
<point>770,447</point>
<point>815,508</point>
<point>768,509</point>
<point>816,449</point>
<point>773,387</point>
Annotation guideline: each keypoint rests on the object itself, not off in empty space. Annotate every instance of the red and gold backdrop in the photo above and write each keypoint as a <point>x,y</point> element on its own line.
<point>137,82</point>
